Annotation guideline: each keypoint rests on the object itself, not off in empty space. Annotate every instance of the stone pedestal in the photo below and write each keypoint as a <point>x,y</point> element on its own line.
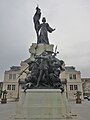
<point>42,104</point>
<point>37,49</point>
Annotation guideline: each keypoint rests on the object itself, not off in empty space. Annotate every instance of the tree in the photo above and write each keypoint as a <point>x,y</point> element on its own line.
<point>78,94</point>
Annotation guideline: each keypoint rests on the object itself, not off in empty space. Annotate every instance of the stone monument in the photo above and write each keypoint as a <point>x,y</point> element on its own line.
<point>43,96</point>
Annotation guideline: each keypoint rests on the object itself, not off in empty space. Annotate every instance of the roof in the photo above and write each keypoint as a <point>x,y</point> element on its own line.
<point>85,79</point>
<point>27,60</point>
<point>15,68</point>
<point>70,68</point>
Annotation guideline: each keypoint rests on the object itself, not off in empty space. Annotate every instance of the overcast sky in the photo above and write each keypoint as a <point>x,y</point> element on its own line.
<point>71,18</point>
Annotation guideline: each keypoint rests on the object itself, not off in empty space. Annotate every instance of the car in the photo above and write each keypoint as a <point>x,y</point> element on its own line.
<point>88,98</point>
<point>85,97</point>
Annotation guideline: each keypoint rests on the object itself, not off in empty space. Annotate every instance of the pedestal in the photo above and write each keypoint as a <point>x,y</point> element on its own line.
<point>37,49</point>
<point>42,104</point>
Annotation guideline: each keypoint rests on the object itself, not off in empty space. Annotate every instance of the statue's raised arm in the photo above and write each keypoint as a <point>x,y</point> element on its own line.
<point>41,29</point>
<point>36,21</point>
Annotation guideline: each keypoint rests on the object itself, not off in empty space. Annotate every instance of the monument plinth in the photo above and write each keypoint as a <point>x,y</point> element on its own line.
<point>37,49</point>
<point>42,104</point>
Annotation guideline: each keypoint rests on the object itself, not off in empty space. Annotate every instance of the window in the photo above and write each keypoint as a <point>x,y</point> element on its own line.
<point>8,87</point>
<point>10,76</point>
<point>71,87</point>
<point>74,76</point>
<point>14,76</point>
<point>13,87</point>
<point>70,76</point>
<point>75,87</point>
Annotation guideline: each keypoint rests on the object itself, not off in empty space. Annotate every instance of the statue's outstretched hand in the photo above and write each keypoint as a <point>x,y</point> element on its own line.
<point>54,29</point>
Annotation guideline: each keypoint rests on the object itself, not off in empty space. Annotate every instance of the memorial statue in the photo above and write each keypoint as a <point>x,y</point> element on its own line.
<point>43,95</point>
<point>44,29</point>
<point>43,67</point>
<point>41,29</point>
<point>44,71</point>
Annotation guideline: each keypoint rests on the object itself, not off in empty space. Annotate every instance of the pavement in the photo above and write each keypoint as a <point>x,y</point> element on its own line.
<point>81,111</point>
<point>6,110</point>
<point>78,111</point>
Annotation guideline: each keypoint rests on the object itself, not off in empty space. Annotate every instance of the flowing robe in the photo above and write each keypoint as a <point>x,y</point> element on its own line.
<point>43,33</point>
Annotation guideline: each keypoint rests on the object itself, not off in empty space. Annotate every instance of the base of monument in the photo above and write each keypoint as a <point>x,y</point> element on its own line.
<point>42,104</point>
<point>37,49</point>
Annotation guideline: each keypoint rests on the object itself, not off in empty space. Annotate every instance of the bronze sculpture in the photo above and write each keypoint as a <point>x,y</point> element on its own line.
<point>41,29</point>
<point>44,71</point>
<point>36,19</point>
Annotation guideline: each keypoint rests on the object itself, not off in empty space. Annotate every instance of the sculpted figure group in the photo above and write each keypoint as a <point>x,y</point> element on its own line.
<point>44,72</point>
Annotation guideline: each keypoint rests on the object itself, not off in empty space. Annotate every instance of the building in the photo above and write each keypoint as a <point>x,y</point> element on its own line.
<point>10,83</point>
<point>86,86</point>
<point>74,83</point>
<point>72,76</point>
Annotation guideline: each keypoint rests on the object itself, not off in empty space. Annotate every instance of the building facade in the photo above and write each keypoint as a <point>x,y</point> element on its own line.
<point>86,86</point>
<point>74,83</point>
<point>72,76</point>
<point>10,83</point>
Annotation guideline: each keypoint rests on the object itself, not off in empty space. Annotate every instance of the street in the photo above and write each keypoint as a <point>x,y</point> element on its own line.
<point>81,110</point>
<point>6,110</point>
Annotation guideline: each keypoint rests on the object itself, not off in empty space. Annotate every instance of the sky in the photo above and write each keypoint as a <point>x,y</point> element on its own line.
<point>71,18</point>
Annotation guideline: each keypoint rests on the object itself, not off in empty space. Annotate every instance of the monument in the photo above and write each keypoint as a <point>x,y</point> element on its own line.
<point>44,67</point>
<point>43,97</point>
